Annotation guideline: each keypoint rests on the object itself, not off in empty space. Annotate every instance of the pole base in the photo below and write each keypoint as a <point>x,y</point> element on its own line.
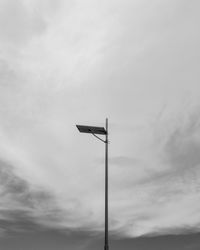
<point>106,247</point>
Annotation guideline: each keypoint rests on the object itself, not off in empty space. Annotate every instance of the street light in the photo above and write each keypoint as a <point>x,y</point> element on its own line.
<point>102,131</point>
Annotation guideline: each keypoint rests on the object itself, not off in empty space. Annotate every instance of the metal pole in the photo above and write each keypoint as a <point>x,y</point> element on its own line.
<point>106,247</point>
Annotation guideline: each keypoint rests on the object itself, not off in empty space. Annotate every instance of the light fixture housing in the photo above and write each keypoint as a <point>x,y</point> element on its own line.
<point>91,129</point>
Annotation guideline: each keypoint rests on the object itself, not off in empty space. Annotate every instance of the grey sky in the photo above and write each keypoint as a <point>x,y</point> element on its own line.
<point>68,62</point>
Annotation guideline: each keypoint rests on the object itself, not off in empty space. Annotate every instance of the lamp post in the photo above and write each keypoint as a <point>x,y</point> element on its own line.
<point>102,131</point>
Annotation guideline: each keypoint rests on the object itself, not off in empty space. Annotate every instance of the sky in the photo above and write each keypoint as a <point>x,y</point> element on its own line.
<point>62,63</point>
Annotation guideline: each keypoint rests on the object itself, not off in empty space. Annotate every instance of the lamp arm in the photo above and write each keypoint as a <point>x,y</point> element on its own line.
<point>98,138</point>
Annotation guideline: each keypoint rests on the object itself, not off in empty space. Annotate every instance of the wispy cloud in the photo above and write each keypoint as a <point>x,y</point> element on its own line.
<point>167,198</point>
<point>23,206</point>
<point>64,63</point>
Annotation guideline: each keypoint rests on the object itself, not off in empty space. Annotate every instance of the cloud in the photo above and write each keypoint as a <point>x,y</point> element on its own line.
<point>123,161</point>
<point>182,147</point>
<point>23,206</point>
<point>170,190</point>
<point>20,21</point>
<point>68,65</point>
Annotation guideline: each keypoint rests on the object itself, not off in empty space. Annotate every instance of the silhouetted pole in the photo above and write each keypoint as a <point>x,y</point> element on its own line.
<point>106,247</point>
